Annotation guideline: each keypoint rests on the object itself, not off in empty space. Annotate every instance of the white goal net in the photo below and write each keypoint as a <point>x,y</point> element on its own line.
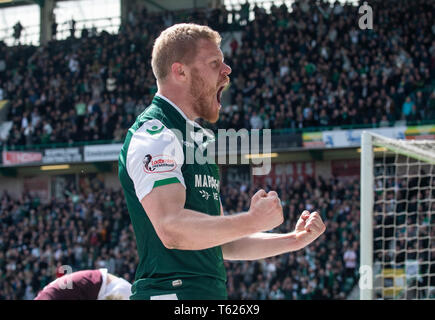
<point>397,218</point>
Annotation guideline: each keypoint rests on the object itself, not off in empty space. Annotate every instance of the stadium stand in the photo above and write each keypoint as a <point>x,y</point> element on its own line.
<point>86,231</point>
<point>308,68</point>
<point>92,230</point>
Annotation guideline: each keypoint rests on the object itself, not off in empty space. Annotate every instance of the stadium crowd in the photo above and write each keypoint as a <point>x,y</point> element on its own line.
<point>92,229</point>
<point>83,231</point>
<point>306,67</point>
<point>327,268</point>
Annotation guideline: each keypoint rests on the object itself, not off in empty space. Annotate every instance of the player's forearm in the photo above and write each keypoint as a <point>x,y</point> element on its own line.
<point>261,245</point>
<point>192,230</point>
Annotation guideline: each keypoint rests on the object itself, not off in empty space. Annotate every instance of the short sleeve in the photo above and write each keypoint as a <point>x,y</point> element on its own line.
<point>154,157</point>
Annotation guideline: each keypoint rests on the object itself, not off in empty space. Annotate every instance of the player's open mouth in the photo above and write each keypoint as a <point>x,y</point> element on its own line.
<point>219,94</point>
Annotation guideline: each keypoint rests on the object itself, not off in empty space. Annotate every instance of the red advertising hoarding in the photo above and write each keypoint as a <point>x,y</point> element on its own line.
<point>21,157</point>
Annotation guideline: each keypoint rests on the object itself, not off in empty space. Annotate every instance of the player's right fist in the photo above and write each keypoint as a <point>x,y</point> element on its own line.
<point>265,211</point>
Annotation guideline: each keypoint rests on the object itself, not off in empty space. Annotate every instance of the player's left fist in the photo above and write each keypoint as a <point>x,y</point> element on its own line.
<point>315,224</point>
<point>308,228</point>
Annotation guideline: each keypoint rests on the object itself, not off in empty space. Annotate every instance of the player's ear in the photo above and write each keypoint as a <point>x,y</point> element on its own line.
<point>179,72</point>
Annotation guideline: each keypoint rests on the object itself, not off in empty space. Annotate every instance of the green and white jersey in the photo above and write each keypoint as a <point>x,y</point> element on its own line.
<point>154,154</point>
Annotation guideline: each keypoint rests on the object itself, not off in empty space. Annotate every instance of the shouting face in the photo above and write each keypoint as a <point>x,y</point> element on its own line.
<point>209,77</point>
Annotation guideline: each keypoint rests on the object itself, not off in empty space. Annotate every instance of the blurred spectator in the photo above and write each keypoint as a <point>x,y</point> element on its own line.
<point>234,46</point>
<point>407,107</point>
<point>84,33</point>
<point>72,28</point>
<point>414,115</point>
<point>244,12</point>
<point>256,122</point>
<point>350,260</point>
<point>18,28</point>
<point>53,27</point>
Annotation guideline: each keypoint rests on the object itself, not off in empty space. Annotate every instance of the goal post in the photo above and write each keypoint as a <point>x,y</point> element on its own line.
<point>397,218</point>
<point>366,218</point>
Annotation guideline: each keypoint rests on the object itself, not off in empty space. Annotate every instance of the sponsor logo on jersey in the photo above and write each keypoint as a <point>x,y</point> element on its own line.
<point>155,130</point>
<point>158,164</point>
<point>204,194</point>
<point>206,181</point>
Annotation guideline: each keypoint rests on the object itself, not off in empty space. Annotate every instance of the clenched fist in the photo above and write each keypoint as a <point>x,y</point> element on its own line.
<point>265,211</point>
<point>309,227</point>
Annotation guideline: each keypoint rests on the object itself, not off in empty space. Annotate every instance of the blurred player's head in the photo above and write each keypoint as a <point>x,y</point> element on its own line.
<point>188,57</point>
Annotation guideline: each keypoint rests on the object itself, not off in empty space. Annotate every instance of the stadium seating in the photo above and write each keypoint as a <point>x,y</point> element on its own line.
<point>305,68</point>
<point>311,68</point>
<point>93,230</point>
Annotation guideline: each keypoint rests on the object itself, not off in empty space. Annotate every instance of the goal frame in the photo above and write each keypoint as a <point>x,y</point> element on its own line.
<point>366,215</point>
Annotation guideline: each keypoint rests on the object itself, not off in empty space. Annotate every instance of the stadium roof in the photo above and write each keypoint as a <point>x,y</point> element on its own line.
<point>15,3</point>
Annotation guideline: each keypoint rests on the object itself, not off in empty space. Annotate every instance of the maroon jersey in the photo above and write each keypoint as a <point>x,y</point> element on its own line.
<point>80,285</point>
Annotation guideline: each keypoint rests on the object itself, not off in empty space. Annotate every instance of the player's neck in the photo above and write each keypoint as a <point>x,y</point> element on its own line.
<point>180,99</point>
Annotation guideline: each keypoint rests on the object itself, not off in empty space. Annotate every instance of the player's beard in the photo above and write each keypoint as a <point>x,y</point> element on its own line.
<point>204,97</point>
